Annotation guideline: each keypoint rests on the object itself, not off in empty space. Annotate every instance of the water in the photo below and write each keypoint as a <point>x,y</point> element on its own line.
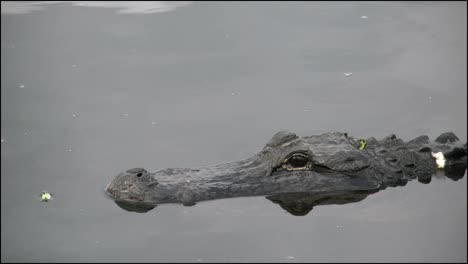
<point>89,91</point>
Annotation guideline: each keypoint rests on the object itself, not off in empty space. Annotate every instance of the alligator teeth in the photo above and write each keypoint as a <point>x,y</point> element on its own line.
<point>440,159</point>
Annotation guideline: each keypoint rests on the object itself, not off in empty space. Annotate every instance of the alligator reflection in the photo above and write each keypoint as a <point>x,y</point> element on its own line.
<point>300,204</point>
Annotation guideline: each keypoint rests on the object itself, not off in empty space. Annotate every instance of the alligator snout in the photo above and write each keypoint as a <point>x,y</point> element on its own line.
<point>132,185</point>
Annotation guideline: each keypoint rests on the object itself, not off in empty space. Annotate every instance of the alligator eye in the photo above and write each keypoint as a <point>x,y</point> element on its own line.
<point>139,174</point>
<point>297,161</point>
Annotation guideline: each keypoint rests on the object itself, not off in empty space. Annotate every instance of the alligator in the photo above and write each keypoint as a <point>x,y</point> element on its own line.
<point>298,172</point>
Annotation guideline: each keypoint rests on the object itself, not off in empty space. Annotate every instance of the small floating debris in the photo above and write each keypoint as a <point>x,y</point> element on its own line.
<point>348,73</point>
<point>74,115</point>
<point>3,140</point>
<point>45,196</point>
<point>226,35</point>
<point>233,94</point>
<point>74,65</point>
<point>440,159</point>
<point>125,114</point>
<point>306,109</point>
<point>25,133</point>
<point>199,260</point>
<point>69,150</point>
<point>338,226</point>
<point>362,144</point>
<point>21,86</point>
<point>290,257</point>
<point>364,17</point>
<point>153,123</point>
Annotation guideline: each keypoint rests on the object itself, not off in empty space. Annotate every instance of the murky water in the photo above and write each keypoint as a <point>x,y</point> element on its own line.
<point>91,89</point>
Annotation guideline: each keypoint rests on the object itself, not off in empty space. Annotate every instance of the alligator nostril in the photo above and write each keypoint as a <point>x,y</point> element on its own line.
<point>139,174</point>
<point>392,159</point>
<point>409,165</point>
<point>136,170</point>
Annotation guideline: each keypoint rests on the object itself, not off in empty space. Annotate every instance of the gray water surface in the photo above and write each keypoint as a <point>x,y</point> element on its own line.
<point>89,90</point>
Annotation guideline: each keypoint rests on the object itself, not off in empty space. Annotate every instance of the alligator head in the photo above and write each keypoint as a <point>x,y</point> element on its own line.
<point>326,165</point>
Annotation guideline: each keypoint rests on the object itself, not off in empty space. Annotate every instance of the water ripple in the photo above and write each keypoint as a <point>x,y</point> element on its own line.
<point>124,7</point>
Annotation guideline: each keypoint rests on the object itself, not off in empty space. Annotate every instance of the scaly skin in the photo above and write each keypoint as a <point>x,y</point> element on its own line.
<point>329,163</point>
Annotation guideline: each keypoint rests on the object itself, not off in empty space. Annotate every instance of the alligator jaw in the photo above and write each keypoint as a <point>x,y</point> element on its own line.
<point>187,186</point>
